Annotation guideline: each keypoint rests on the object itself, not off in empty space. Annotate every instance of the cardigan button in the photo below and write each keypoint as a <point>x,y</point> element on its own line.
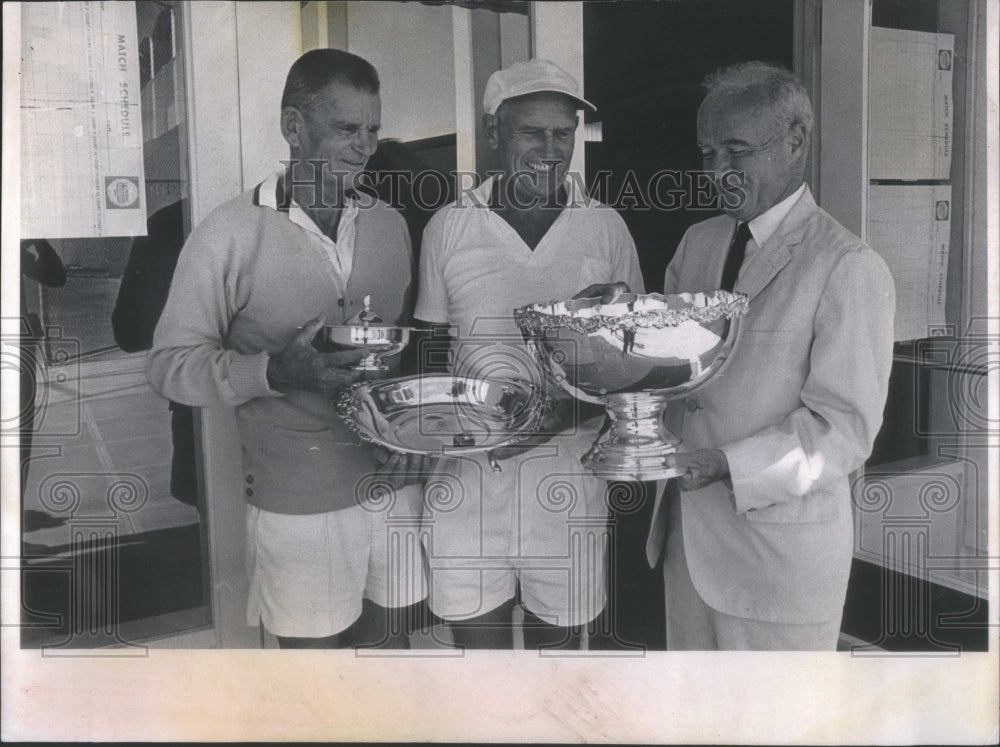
<point>249,479</point>
<point>250,491</point>
<point>693,405</point>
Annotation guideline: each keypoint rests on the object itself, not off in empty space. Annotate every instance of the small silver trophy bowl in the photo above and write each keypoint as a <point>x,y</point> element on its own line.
<point>634,355</point>
<point>365,331</point>
<point>378,340</point>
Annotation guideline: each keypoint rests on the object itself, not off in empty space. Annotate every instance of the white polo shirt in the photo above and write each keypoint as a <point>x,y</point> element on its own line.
<point>475,269</point>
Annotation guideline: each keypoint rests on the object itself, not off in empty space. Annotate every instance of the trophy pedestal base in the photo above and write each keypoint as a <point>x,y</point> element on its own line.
<point>620,466</point>
<point>370,364</point>
<point>371,367</point>
<point>637,446</point>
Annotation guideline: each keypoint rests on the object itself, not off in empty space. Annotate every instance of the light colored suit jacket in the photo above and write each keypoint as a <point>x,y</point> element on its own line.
<point>795,411</point>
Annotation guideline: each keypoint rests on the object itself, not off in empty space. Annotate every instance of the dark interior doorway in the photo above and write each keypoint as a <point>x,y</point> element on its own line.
<point>643,66</point>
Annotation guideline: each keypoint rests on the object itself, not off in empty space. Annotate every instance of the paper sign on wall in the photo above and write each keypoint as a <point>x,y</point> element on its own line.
<point>910,104</point>
<point>910,227</point>
<point>81,124</point>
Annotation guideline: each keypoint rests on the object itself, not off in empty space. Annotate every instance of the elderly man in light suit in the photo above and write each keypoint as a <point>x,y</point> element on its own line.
<point>758,527</point>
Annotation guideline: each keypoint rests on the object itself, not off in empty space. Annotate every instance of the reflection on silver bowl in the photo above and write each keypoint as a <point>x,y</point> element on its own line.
<point>380,340</point>
<point>442,414</point>
<point>633,356</point>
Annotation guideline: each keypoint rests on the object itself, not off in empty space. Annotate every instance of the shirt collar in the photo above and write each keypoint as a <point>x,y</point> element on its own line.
<point>270,193</point>
<point>764,225</point>
<point>575,196</point>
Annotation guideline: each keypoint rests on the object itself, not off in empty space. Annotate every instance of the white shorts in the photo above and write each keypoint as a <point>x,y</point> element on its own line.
<point>309,573</point>
<point>541,522</point>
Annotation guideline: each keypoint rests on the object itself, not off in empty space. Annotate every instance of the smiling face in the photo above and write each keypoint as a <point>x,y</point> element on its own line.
<point>340,130</point>
<point>756,160</point>
<point>534,135</point>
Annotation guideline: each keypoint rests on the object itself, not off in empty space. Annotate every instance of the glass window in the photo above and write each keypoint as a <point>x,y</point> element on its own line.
<point>114,539</point>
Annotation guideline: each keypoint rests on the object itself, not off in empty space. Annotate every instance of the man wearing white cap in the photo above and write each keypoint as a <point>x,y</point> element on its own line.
<point>535,529</point>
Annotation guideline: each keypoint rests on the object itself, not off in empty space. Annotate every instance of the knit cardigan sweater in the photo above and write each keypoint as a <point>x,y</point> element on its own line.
<point>245,281</point>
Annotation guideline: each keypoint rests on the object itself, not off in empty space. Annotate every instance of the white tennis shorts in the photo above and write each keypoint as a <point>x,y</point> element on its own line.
<point>309,573</point>
<point>541,523</point>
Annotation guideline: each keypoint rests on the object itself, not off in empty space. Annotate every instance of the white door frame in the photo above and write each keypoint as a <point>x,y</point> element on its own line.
<point>236,58</point>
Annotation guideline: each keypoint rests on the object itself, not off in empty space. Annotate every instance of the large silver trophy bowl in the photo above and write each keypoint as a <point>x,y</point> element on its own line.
<point>634,355</point>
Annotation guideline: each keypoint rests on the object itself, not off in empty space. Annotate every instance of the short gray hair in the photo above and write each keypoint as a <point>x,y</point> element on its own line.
<point>318,68</point>
<point>773,88</point>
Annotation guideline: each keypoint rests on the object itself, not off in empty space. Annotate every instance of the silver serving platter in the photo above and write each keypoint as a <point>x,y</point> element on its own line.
<point>442,414</point>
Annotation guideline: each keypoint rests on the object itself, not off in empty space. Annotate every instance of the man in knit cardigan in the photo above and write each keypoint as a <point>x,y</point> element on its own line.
<point>254,283</point>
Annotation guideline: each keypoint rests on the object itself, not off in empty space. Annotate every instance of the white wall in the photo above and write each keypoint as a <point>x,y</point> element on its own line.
<point>411,46</point>
<point>557,35</point>
<point>268,42</point>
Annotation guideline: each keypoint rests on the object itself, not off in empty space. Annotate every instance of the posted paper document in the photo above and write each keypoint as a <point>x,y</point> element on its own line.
<point>81,124</point>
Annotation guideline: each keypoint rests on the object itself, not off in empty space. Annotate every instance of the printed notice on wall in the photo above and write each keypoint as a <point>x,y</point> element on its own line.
<point>910,104</point>
<point>909,226</point>
<point>81,125</point>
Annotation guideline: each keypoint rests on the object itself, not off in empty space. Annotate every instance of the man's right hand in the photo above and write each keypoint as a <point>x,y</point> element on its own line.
<point>301,366</point>
<point>607,292</point>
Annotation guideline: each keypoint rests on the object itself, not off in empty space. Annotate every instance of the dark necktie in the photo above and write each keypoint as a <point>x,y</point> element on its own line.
<point>734,260</point>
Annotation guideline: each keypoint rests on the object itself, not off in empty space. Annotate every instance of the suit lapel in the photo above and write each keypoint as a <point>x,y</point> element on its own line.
<point>774,255</point>
<point>777,250</point>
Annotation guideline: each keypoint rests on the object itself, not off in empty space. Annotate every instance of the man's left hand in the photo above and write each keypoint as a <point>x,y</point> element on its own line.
<point>700,468</point>
<point>607,292</point>
<point>403,469</point>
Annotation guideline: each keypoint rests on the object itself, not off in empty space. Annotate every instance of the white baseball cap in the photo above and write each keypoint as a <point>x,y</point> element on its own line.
<point>533,76</point>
